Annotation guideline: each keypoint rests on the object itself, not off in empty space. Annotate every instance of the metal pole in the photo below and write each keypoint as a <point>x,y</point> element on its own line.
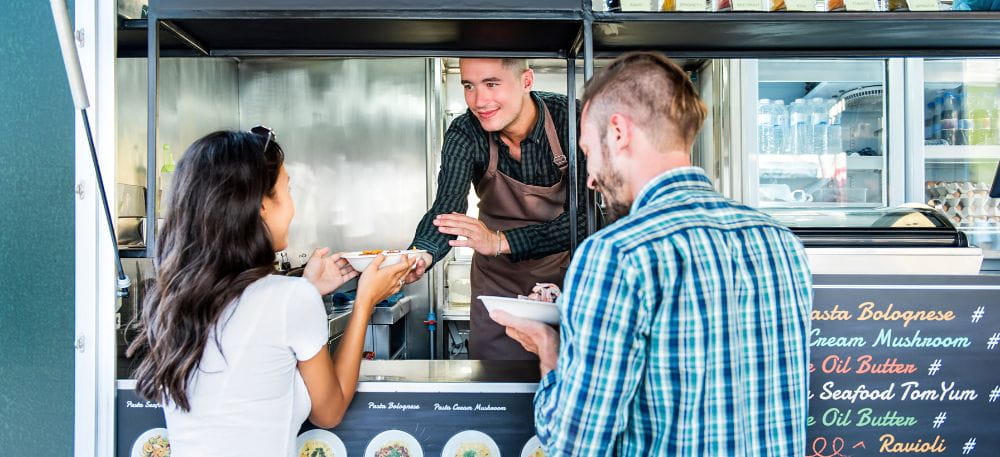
<point>123,282</point>
<point>78,88</point>
<point>153,63</point>
<point>574,238</point>
<point>588,73</point>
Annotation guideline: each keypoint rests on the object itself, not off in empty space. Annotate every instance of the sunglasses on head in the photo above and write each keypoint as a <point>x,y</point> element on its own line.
<point>265,132</point>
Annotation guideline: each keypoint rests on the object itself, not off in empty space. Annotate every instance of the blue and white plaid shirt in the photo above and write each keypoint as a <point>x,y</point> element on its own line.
<point>684,333</point>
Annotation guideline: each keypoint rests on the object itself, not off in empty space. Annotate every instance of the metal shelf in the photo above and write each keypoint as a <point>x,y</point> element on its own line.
<point>424,28</point>
<point>800,34</point>
<point>132,41</point>
<point>963,153</point>
<point>546,29</point>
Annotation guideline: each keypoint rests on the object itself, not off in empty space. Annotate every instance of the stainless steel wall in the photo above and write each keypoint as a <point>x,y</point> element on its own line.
<point>354,135</point>
<point>196,96</point>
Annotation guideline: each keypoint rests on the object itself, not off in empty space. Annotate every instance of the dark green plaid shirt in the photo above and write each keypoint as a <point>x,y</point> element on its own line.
<point>464,159</point>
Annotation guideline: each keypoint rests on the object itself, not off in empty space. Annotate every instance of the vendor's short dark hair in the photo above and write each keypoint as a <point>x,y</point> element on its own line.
<point>517,66</point>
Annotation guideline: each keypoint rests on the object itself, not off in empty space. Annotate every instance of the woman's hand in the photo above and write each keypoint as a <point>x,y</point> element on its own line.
<point>377,284</point>
<point>328,273</point>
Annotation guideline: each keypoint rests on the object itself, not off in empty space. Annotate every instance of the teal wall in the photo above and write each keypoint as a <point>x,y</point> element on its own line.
<point>36,236</point>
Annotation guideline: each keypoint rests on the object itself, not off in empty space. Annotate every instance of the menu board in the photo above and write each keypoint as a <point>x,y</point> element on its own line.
<point>429,424</point>
<point>904,370</point>
<point>438,424</point>
<point>139,424</point>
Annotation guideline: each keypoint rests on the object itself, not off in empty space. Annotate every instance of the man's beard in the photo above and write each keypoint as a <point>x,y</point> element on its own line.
<point>611,184</point>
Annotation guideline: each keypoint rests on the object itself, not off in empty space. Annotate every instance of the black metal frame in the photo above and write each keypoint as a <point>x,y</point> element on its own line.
<point>597,35</point>
<point>173,21</point>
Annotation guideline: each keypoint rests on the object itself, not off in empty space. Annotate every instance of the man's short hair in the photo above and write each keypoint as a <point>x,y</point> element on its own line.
<point>516,66</point>
<point>654,92</point>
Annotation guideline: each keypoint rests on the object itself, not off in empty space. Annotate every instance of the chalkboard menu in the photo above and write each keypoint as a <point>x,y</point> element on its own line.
<point>904,368</point>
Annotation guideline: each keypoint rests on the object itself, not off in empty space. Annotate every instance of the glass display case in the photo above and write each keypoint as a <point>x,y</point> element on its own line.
<point>961,145</point>
<point>820,134</point>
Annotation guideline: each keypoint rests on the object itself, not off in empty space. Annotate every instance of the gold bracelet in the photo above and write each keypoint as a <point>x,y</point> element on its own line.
<point>497,254</point>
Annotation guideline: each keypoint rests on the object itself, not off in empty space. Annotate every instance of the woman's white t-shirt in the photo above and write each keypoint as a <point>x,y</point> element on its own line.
<point>249,399</point>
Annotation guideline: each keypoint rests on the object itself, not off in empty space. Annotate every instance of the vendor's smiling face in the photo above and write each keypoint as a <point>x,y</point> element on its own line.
<point>495,93</point>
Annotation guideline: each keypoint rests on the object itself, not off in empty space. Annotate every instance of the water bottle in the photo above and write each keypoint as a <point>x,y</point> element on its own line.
<point>765,132</point>
<point>819,115</point>
<point>779,123</point>
<point>800,132</point>
<point>835,142</point>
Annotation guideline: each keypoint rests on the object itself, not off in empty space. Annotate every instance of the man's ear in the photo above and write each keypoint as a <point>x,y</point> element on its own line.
<point>620,133</point>
<point>528,80</point>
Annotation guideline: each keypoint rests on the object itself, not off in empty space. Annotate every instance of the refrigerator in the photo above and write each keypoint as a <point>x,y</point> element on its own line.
<point>824,146</point>
<point>953,137</point>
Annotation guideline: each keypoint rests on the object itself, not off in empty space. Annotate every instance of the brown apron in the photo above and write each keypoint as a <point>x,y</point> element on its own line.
<point>505,203</point>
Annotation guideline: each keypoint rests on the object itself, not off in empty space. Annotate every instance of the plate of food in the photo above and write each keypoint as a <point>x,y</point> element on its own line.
<point>152,443</point>
<point>394,443</point>
<point>319,443</point>
<point>359,260</point>
<point>533,448</point>
<point>521,307</point>
<point>471,443</point>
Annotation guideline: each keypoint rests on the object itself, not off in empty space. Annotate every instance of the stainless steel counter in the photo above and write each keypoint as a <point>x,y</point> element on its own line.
<point>448,376</point>
<point>382,315</point>
<point>338,321</point>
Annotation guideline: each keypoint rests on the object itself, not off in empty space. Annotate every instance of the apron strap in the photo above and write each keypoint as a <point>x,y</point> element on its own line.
<point>491,168</point>
<point>558,158</point>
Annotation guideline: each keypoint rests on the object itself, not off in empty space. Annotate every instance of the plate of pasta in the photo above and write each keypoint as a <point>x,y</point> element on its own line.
<point>533,448</point>
<point>152,443</point>
<point>319,443</point>
<point>471,443</point>
<point>359,260</point>
<point>394,443</point>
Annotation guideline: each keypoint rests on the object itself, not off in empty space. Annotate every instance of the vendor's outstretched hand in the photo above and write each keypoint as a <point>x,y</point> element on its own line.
<point>536,337</point>
<point>477,236</point>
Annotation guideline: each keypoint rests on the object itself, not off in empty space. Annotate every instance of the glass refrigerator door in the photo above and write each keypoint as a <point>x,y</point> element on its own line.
<point>962,145</point>
<point>820,135</point>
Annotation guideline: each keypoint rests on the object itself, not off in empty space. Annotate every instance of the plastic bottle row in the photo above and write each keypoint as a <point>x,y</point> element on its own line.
<point>966,115</point>
<point>806,127</point>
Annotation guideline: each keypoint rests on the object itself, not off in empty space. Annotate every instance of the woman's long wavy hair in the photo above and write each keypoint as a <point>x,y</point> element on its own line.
<point>213,244</point>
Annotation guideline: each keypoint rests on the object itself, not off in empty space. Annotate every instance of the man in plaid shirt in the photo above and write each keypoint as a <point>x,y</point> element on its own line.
<point>684,323</point>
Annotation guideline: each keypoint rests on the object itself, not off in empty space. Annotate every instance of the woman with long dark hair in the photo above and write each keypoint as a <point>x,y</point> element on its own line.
<point>237,355</point>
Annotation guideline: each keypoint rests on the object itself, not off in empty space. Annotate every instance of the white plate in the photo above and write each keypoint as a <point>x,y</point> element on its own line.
<point>139,442</point>
<point>528,309</point>
<point>390,436</point>
<point>530,447</point>
<point>470,436</point>
<point>336,445</point>
<point>360,262</point>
